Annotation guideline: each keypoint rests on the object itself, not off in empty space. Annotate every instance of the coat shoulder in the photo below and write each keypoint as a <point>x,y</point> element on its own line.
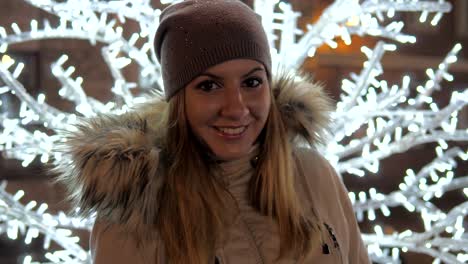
<point>320,179</point>
<point>321,186</point>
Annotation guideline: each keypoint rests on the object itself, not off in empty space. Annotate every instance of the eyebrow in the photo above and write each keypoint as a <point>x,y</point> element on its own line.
<point>243,76</point>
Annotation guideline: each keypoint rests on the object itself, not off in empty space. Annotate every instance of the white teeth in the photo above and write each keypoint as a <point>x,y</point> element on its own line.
<point>232,131</point>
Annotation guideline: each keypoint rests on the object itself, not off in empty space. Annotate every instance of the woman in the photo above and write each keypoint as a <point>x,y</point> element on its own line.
<point>214,174</point>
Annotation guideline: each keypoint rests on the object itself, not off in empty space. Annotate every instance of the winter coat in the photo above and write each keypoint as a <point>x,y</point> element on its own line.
<point>110,166</point>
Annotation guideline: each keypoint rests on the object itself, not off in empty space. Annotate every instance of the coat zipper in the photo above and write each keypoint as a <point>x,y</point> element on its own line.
<point>334,241</point>
<point>260,258</point>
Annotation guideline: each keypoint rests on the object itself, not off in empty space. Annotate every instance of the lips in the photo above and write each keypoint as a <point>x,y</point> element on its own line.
<point>231,131</point>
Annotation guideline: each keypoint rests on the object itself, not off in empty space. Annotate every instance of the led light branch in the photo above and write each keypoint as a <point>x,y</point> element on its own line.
<point>39,110</point>
<point>415,185</point>
<point>415,195</point>
<point>18,143</point>
<point>121,87</point>
<point>34,223</point>
<point>72,90</point>
<point>88,29</point>
<point>385,114</point>
<point>139,10</point>
<point>343,18</point>
<point>431,242</point>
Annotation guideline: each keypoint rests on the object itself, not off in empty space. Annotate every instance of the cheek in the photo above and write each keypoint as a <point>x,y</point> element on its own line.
<point>262,108</point>
<point>199,112</point>
<point>192,112</point>
<point>196,122</point>
<point>195,116</point>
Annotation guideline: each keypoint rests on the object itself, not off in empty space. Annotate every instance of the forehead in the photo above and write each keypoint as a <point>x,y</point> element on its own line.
<point>235,67</point>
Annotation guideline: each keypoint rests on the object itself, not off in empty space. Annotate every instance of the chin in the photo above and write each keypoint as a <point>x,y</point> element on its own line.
<point>228,155</point>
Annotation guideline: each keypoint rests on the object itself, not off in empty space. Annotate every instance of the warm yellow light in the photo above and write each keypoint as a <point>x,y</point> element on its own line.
<point>353,21</point>
<point>7,60</point>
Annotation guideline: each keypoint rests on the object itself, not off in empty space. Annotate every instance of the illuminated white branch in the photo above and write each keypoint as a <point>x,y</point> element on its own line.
<point>355,165</point>
<point>18,143</point>
<point>429,242</point>
<point>41,111</point>
<point>86,30</point>
<point>72,90</point>
<point>346,17</point>
<point>23,219</point>
<point>388,32</point>
<point>372,68</point>
<point>435,78</point>
<point>368,101</point>
<point>139,10</point>
<point>381,6</point>
<point>121,87</point>
<point>415,186</point>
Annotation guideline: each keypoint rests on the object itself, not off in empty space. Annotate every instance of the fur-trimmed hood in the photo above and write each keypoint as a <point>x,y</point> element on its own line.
<point>110,164</point>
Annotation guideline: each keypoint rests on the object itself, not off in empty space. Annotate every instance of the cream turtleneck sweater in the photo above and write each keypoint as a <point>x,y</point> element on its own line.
<point>258,232</point>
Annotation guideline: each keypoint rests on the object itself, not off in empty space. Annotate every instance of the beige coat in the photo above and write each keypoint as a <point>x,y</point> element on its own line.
<point>111,166</point>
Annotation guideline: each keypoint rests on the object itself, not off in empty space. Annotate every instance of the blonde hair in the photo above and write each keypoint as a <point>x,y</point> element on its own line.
<point>273,192</point>
<point>191,214</point>
<point>194,205</point>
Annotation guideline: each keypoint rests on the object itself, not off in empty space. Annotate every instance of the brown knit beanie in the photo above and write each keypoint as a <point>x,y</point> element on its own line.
<point>196,34</point>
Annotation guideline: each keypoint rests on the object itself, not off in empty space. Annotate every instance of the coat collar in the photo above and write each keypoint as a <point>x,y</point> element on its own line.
<point>110,164</point>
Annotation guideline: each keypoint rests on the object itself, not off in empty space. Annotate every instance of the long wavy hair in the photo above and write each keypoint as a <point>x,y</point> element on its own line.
<point>195,207</point>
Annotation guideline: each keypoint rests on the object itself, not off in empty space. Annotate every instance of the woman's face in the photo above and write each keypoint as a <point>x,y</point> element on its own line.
<point>227,106</point>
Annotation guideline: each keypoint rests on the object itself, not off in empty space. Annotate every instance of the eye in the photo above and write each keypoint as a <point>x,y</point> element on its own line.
<point>253,82</point>
<point>207,86</point>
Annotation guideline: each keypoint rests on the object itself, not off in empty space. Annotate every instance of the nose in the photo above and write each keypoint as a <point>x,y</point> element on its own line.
<point>234,105</point>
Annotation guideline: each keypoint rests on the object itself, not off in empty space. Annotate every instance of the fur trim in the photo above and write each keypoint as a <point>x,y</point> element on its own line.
<point>111,164</point>
<point>303,105</point>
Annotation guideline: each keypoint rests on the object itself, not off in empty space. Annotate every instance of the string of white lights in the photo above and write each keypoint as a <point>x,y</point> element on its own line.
<point>31,222</point>
<point>430,242</point>
<point>415,185</point>
<point>343,18</point>
<point>139,10</point>
<point>73,91</point>
<point>37,110</point>
<point>121,87</point>
<point>91,28</point>
<point>367,101</point>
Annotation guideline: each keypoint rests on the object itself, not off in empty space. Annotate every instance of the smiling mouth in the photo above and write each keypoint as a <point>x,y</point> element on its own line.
<point>231,131</point>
